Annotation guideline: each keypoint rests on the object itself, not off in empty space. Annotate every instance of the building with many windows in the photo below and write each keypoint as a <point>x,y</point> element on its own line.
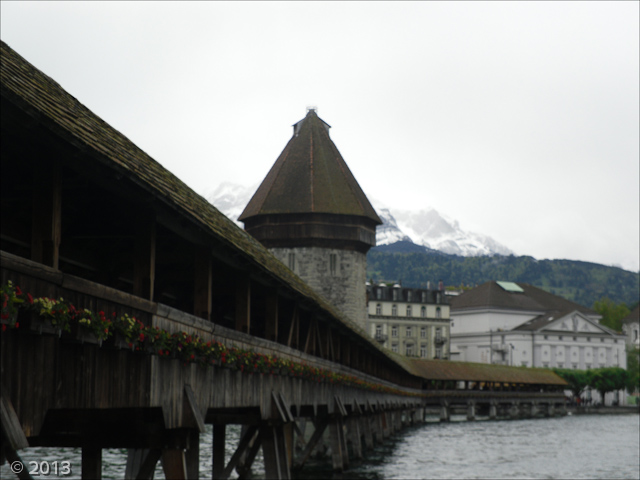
<point>409,321</point>
<point>521,325</point>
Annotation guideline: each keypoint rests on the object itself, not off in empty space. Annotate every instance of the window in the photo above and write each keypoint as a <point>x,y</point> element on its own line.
<point>409,350</point>
<point>408,310</point>
<point>394,347</point>
<point>292,262</point>
<point>602,340</point>
<point>588,339</point>
<point>438,313</point>
<point>423,332</point>
<point>394,310</point>
<point>588,365</point>
<point>423,350</point>
<point>409,331</point>
<point>378,309</point>
<point>394,331</point>
<point>333,261</point>
<point>395,295</point>
<point>574,366</point>
<point>378,330</point>
<point>560,337</point>
<point>438,333</point>
<point>409,296</point>
<point>424,297</point>
<point>423,312</point>
<point>546,337</point>
<point>560,365</point>
<point>378,293</point>
<point>438,352</point>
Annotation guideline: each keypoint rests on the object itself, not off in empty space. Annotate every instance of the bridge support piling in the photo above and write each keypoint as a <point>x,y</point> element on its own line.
<point>493,411</point>
<point>219,440</point>
<point>91,462</point>
<point>353,433</point>
<point>514,410</point>
<point>339,456</point>
<point>276,464</point>
<point>365,422</point>
<point>444,412</point>
<point>174,464</point>
<point>471,411</point>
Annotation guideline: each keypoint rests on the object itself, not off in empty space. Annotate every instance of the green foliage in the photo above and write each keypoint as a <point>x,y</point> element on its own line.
<point>633,370</point>
<point>580,282</point>
<point>612,314</point>
<point>578,380</point>
<point>607,379</point>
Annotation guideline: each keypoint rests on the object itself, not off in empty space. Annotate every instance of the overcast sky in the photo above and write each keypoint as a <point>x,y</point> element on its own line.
<point>518,119</point>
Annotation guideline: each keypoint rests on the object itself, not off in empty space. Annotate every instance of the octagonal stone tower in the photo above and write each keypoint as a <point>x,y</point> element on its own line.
<point>311,213</point>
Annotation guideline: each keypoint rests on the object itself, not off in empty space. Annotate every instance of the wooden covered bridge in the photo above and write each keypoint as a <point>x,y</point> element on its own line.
<point>134,313</point>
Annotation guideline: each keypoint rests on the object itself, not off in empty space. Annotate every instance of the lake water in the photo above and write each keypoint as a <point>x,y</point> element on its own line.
<point>571,447</point>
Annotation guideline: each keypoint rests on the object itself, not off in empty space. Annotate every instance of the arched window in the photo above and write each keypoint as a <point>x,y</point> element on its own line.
<point>394,310</point>
<point>423,312</point>
<point>408,310</point>
<point>378,309</point>
<point>438,312</point>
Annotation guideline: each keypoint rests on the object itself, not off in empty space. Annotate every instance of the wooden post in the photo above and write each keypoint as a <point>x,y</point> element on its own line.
<point>493,410</point>
<point>471,410</point>
<point>444,411</point>
<point>203,283</point>
<point>365,423</point>
<point>192,455</point>
<point>243,305</point>
<point>144,262</point>
<point>91,462</point>
<point>273,449</point>
<point>46,227</point>
<point>271,315</point>
<point>219,433</point>
<point>353,431</point>
<point>174,464</point>
<point>338,455</point>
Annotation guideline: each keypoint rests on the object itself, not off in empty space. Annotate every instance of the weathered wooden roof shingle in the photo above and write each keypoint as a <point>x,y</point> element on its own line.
<point>310,176</point>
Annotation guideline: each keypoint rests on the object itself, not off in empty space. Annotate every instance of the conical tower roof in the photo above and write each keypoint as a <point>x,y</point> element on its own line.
<point>310,176</point>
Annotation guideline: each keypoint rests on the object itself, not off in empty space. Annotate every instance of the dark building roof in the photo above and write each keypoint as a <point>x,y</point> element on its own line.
<point>480,372</point>
<point>310,176</point>
<point>396,293</point>
<point>492,295</point>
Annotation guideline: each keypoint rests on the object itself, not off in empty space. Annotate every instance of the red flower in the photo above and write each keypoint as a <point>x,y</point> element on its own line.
<point>29,298</point>
<point>17,325</point>
<point>4,327</point>
<point>18,291</point>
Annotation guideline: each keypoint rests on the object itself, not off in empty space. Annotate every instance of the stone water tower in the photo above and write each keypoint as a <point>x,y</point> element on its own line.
<point>311,213</point>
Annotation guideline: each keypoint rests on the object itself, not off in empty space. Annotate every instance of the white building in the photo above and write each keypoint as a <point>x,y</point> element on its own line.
<point>412,322</point>
<point>521,325</point>
<point>631,328</point>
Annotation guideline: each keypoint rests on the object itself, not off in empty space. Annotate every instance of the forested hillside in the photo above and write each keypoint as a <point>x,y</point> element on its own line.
<point>582,282</point>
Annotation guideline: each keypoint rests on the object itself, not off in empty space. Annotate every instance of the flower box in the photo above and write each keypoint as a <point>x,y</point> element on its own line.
<point>79,334</point>
<point>40,325</point>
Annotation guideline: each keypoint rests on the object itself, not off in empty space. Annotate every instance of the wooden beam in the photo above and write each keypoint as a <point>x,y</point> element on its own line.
<point>46,228</point>
<point>144,261</point>
<point>12,431</point>
<point>294,330</point>
<point>203,283</point>
<point>191,414</point>
<point>271,315</point>
<point>243,304</point>
<point>141,463</point>
<point>12,456</point>
<point>243,444</point>
<point>321,426</point>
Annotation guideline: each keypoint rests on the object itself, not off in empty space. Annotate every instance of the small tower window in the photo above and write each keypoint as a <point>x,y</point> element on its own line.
<point>423,312</point>
<point>438,313</point>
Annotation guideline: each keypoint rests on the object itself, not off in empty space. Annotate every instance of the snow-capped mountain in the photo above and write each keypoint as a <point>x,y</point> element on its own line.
<point>426,227</point>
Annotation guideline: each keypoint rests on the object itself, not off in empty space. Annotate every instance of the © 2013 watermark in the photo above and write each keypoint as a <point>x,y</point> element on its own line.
<point>44,468</point>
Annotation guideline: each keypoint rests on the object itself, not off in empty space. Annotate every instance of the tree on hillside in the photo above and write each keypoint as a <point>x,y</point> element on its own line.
<point>608,379</point>
<point>612,314</point>
<point>577,379</point>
